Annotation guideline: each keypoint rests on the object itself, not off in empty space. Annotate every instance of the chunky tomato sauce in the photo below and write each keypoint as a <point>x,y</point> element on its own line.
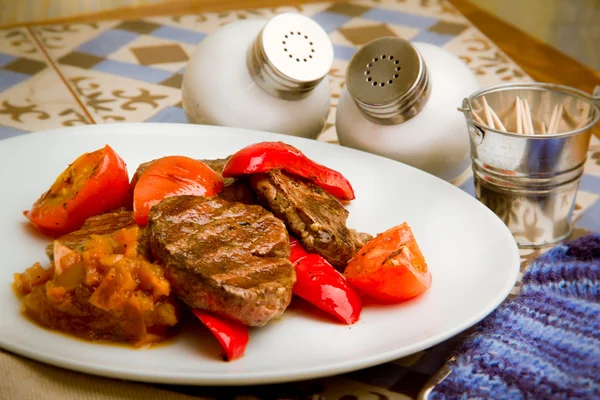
<point>106,291</point>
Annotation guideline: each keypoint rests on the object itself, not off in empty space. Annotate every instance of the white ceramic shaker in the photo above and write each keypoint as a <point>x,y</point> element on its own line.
<point>268,75</point>
<point>400,102</point>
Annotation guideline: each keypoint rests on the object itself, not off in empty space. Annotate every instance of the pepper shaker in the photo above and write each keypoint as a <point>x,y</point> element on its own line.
<point>262,75</point>
<point>400,102</point>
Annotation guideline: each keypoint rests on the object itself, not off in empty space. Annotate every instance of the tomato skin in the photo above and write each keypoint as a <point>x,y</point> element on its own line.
<point>231,335</point>
<point>94,183</point>
<point>172,176</point>
<point>267,156</point>
<point>390,267</point>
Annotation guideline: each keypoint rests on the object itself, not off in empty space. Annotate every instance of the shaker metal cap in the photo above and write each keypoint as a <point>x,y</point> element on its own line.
<point>291,56</point>
<point>388,80</point>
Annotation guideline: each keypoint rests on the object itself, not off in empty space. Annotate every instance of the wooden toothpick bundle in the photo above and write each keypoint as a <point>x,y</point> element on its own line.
<point>524,121</point>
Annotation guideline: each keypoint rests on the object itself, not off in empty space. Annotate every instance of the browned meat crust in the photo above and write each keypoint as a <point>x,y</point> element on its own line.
<point>101,224</point>
<point>224,257</point>
<point>310,213</point>
<point>360,239</point>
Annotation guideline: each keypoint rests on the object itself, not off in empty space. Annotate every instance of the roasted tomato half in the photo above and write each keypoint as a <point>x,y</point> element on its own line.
<point>94,183</point>
<point>390,267</point>
<point>172,176</point>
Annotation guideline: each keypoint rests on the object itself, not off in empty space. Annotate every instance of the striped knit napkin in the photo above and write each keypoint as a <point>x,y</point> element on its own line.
<point>545,344</point>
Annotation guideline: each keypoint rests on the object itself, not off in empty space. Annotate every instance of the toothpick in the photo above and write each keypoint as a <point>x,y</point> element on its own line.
<point>478,118</point>
<point>554,125</point>
<point>519,116</point>
<point>544,131</point>
<point>528,115</point>
<point>559,119</point>
<point>488,114</point>
<point>497,121</point>
<point>569,119</point>
<point>524,119</point>
<point>552,118</point>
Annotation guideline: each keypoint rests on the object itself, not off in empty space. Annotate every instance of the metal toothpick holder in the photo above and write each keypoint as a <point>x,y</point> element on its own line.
<point>530,181</point>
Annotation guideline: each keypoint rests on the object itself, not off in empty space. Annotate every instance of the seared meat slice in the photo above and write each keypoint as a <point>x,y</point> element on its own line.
<point>217,165</point>
<point>360,239</point>
<point>225,257</point>
<point>237,190</point>
<point>140,170</point>
<point>313,215</point>
<point>101,224</point>
<point>233,189</point>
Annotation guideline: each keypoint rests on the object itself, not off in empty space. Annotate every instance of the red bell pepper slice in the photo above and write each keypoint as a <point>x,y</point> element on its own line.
<point>267,156</point>
<point>232,336</point>
<point>297,251</point>
<point>321,285</point>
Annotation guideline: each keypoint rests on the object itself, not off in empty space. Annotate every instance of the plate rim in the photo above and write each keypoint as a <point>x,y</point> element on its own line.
<point>248,377</point>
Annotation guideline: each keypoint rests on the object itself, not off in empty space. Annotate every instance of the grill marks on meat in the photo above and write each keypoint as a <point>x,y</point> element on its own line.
<point>313,215</point>
<point>102,224</point>
<point>235,190</point>
<point>224,257</point>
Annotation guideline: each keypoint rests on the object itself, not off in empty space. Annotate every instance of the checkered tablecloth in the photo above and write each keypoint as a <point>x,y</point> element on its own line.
<point>130,71</point>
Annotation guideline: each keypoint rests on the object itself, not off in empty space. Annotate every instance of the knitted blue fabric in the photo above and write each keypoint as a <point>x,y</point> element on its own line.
<point>544,344</point>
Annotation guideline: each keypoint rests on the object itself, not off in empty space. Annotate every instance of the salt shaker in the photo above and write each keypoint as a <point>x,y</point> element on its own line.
<point>268,75</point>
<point>400,102</point>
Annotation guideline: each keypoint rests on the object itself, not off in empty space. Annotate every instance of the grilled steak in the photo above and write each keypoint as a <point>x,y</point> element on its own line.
<point>225,257</point>
<point>102,224</point>
<point>217,165</point>
<point>233,189</point>
<point>313,215</point>
<point>359,239</point>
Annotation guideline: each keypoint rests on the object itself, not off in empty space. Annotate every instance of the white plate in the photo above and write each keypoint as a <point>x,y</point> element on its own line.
<point>472,256</point>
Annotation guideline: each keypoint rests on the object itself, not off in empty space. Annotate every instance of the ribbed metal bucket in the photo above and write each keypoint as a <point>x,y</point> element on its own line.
<point>530,181</point>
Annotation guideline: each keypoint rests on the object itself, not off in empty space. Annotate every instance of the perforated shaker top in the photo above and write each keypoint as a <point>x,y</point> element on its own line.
<point>298,47</point>
<point>388,79</point>
<point>290,56</point>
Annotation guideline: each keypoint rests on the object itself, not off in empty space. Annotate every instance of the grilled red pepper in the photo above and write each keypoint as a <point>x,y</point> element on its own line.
<point>297,251</point>
<point>321,285</point>
<point>232,336</point>
<point>267,156</point>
